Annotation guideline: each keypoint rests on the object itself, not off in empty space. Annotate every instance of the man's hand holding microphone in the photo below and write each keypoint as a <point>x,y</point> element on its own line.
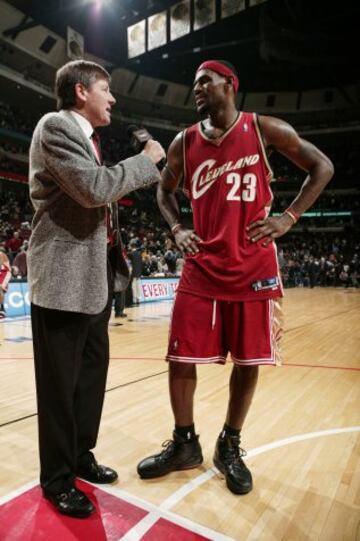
<point>154,151</point>
<point>142,141</point>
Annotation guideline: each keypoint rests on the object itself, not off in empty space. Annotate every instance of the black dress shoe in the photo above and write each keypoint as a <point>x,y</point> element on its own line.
<point>71,501</point>
<point>178,454</point>
<point>96,473</point>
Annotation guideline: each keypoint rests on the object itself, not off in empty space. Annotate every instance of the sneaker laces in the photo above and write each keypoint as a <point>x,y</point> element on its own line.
<point>233,452</point>
<point>169,447</point>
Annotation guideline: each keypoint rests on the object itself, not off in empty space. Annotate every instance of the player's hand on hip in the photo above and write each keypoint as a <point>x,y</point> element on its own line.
<point>269,229</point>
<point>154,151</point>
<point>187,240</point>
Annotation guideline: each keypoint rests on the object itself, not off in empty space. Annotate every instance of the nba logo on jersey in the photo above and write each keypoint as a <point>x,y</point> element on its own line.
<point>245,127</point>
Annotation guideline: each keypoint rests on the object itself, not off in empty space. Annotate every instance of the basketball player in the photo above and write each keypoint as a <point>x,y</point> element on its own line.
<point>228,291</point>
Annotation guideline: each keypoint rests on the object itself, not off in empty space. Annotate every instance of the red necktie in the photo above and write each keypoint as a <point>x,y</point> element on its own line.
<point>96,142</point>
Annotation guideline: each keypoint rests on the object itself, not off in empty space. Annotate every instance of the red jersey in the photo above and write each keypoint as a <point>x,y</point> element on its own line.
<point>227,181</point>
<point>5,275</point>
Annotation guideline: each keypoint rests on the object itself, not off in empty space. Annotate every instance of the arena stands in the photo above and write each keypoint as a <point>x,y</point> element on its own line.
<point>320,250</point>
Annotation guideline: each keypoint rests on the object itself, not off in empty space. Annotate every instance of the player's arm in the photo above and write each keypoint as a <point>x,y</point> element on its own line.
<point>282,137</point>
<point>171,176</point>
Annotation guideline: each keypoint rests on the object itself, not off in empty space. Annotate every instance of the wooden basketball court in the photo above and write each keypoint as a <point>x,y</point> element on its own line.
<point>302,432</point>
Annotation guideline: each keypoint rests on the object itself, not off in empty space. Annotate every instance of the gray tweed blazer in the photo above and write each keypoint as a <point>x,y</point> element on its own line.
<point>67,255</point>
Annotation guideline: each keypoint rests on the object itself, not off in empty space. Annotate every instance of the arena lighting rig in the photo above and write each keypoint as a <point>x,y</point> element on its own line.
<point>100,3</point>
<point>178,20</point>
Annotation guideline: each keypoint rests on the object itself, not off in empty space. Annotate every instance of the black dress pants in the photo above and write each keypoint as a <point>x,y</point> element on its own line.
<point>71,353</point>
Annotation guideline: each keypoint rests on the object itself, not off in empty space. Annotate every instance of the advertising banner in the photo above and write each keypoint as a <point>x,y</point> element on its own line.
<point>158,289</point>
<point>17,301</point>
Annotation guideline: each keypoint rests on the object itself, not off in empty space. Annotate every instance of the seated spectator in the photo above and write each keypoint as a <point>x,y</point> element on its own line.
<point>13,244</point>
<point>344,276</point>
<point>163,268</point>
<point>154,266</point>
<point>146,265</point>
<point>170,258</point>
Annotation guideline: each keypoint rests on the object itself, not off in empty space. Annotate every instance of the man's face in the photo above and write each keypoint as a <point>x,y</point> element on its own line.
<point>97,103</point>
<point>208,90</point>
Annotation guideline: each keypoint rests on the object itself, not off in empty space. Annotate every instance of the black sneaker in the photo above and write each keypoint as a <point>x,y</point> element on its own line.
<point>178,454</point>
<point>228,459</point>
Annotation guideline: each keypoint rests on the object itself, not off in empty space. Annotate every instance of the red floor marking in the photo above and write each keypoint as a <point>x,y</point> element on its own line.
<point>322,366</point>
<point>355,369</point>
<point>163,529</point>
<point>137,358</point>
<point>29,516</point>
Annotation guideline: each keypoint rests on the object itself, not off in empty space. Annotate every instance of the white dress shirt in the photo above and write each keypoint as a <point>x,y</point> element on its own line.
<point>87,129</point>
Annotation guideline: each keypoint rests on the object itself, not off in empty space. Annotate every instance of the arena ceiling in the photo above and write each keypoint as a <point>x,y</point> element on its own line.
<point>278,45</point>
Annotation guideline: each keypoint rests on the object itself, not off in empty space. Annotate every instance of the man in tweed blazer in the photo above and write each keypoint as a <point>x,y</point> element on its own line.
<point>71,279</point>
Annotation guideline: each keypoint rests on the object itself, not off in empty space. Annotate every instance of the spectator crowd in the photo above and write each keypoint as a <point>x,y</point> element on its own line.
<point>328,256</point>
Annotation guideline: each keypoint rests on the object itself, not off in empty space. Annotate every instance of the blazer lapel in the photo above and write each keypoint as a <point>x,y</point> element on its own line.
<point>66,114</point>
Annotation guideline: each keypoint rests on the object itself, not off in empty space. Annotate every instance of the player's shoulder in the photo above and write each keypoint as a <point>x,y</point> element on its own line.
<point>178,141</point>
<point>272,122</point>
<point>190,133</point>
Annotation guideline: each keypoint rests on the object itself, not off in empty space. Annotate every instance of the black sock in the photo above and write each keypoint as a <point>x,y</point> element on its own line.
<point>186,432</point>
<point>228,431</point>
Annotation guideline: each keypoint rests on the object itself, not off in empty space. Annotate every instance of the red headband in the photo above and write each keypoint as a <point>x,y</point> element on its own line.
<point>221,69</point>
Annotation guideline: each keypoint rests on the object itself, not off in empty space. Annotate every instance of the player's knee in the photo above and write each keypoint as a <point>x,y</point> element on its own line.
<point>247,371</point>
<point>182,370</point>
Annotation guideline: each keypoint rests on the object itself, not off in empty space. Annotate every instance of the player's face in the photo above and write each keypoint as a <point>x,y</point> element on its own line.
<point>208,90</point>
<point>98,102</point>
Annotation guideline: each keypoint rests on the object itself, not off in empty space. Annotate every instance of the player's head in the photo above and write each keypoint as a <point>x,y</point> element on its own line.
<point>215,81</point>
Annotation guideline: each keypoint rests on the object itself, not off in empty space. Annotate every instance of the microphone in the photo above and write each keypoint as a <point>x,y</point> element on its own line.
<point>138,139</point>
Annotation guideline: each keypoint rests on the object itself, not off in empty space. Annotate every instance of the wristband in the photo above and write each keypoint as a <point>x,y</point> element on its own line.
<point>293,215</point>
<point>175,228</point>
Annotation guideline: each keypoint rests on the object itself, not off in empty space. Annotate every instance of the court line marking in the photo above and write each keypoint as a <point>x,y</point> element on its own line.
<point>14,319</point>
<point>157,512</point>
<point>299,365</point>
<point>291,329</point>
<point>163,510</point>
<point>153,511</point>
<point>296,365</point>
<point>17,492</point>
<point>136,533</point>
<point>120,386</point>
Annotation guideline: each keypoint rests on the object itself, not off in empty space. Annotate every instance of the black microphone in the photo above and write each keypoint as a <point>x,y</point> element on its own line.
<point>138,139</point>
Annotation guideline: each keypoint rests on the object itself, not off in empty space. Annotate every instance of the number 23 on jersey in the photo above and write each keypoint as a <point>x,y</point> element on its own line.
<point>242,188</point>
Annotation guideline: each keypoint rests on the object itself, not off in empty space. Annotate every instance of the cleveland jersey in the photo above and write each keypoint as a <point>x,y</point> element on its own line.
<point>227,181</point>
